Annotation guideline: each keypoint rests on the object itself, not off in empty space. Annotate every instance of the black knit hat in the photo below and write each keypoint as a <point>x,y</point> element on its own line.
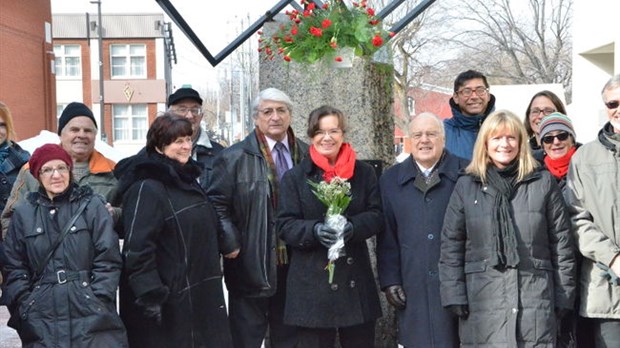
<point>72,110</point>
<point>184,93</point>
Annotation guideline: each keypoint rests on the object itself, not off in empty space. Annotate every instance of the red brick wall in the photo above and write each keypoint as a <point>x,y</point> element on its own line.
<point>27,85</point>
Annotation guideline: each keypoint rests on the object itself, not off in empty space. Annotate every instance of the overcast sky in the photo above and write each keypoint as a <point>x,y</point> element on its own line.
<point>215,28</point>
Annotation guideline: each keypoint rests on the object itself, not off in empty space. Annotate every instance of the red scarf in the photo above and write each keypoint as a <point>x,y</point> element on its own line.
<point>559,166</point>
<point>345,163</point>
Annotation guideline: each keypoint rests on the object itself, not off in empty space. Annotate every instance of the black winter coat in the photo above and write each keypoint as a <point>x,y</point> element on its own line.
<point>243,198</point>
<point>408,251</point>
<point>171,248</point>
<point>73,303</point>
<point>511,307</point>
<point>352,298</point>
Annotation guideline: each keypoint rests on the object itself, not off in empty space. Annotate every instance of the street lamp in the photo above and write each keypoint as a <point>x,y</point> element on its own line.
<point>104,138</point>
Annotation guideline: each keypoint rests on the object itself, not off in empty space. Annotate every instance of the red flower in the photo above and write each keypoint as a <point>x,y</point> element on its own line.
<point>391,33</point>
<point>325,6</point>
<point>374,22</point>
<point>307,13</point>
<point>338,59</point>
<point>287,58</point>
<point>333,44</point>
<point>377,41</point>
<point>316,31</point>
<point>268,51</point>
<point>311,6</point>
<point>288,39</point>
<point>294,30</point>
<point>326,23</point>
<point>370,11</point>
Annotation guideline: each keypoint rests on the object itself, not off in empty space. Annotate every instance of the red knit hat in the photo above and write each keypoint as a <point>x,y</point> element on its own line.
<point>46,153</point>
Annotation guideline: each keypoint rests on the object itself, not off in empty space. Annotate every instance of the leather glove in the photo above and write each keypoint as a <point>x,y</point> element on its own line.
<point>347,234</point>
<point>325,234</point>
<point>461,311</point>
<point>153,312</point>
<point>150,303</point>
<point>395,295</point>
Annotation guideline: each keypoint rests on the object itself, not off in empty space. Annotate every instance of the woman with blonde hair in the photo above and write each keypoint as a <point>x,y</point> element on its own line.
<point>507,259</point>
<point>12,156</point>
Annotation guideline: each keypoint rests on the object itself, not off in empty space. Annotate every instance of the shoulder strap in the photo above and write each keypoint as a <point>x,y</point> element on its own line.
<point>60,238</point>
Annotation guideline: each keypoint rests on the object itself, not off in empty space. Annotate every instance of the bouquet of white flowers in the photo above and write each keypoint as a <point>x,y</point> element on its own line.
<point>336,196</point>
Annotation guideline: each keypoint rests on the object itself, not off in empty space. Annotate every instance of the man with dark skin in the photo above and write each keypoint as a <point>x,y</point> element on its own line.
<point>471,103</point>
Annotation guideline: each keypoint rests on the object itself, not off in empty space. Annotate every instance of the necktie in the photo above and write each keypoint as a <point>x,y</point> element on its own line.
<point>280,159</point>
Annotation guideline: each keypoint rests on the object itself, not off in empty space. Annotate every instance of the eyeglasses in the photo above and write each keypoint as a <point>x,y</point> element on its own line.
<point>430,135</point>
<point>612,104</point>
<point>269,112</point>
<point>48,171</point>
<point>183,111</point>
<point>548,139</point>
<point>545,111</point>
<point>331,132</point>
<point>467,92</point>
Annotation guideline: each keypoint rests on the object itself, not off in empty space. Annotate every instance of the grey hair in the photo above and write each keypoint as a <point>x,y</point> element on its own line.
<point>272,94</point>
<point>427,115</point>
<point>614,82</point>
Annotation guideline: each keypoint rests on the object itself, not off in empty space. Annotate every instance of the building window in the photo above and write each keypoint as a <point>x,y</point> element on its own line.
<point>68,62</point>
<point>130,122</point>
<point>128,61</point>
<point>59,109</point>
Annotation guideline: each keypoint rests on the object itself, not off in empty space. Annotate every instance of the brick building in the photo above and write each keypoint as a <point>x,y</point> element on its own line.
<point>27,84</point>
<point>138,52</point>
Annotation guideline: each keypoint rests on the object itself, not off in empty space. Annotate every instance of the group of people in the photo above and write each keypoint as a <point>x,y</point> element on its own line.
<point>482,233</point>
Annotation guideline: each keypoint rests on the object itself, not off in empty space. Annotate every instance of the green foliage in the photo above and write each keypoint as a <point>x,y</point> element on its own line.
<point>316,32</point>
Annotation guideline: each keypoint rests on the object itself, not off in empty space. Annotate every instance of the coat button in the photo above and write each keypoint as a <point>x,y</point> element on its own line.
<point>430,236</point>
<point>39,230</point>
<point>84,284</point>
<point>73,228</point>
<point>349,260</point>
<point>427,199</point>
<point>334,287</point>
<point>514,310</point>
<point>352,284</point>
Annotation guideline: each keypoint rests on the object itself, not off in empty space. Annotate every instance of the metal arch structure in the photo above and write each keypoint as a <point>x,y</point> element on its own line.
<point>178,19</point>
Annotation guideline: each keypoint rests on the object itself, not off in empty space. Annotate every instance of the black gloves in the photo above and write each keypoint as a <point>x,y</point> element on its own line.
<point>328,236</point>
<point>461,311</point>
<point>395,295</point>
<point>151,303</point>
<point>325,234</point>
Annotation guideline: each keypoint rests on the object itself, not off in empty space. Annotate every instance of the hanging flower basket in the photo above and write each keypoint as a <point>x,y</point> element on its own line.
<point>318,32</point>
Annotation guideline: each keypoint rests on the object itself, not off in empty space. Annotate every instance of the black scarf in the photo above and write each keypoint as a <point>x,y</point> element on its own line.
<point>505,247</point>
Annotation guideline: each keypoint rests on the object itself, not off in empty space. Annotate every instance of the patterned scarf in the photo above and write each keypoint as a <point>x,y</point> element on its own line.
<point>10,158</point>
<point>344,166</point>
<point>282,253</point>
<point>559,167</point>
<point>505,252</point>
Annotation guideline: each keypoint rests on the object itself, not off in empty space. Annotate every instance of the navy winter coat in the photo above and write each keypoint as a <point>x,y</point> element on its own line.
<point>408,251</point>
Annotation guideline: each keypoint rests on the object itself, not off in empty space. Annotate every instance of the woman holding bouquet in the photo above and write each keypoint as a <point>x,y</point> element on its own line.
<point>327,297</point>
